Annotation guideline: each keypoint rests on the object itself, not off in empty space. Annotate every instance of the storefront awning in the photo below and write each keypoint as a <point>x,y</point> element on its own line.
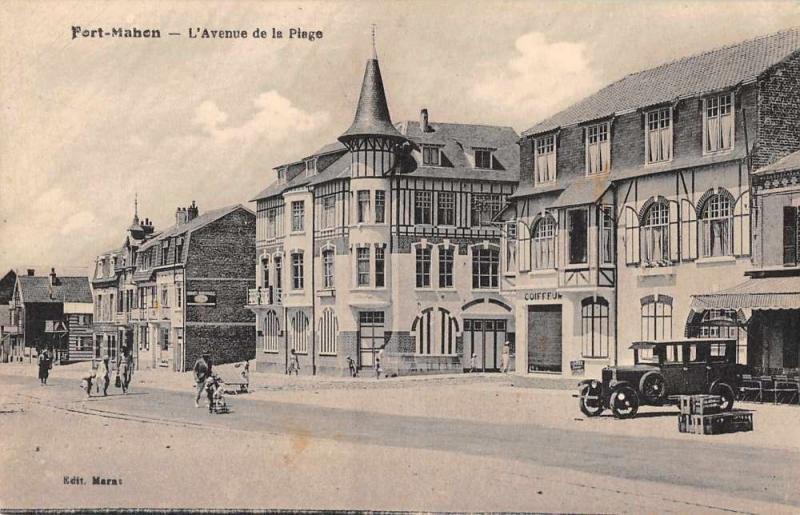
<point>763,293</point>
<point>583,191</point>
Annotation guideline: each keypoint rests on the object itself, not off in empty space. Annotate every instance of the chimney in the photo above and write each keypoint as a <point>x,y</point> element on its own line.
<point>423,121</point>
<point>181,216</point>
<point>192,212</point>
<point>53,277</point>
<point>31,272</point>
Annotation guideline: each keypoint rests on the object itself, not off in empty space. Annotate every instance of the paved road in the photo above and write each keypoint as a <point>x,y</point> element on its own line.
<point>758,474</point>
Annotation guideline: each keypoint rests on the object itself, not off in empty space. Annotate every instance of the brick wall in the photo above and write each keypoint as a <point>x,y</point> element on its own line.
<point>224,248</point>
<point>227,344</point>
<point>778,113</point>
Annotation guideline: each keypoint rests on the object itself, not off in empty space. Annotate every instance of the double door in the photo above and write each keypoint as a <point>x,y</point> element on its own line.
<point>484,338</point>
<point>370,336</point>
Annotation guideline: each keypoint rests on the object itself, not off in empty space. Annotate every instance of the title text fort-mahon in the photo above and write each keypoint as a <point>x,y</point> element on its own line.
<point>115,32</point>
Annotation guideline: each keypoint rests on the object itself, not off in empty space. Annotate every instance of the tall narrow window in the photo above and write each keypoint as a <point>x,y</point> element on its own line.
<point>423,262</point>
<point>431,155</point>
<point>658,140</point>
<point>483,159</point>
<point>655,234</point>
<point>311,167</point>
<point>594,327</point>
<point>380,206</point>
<point>297,271</point>
<point>656,318</point>
<point>362,264</point>
<point>598,149</point>
<point>445,267</point>
<point>422,208</point>
<point>511,247</point>
<point>298,216</point>
<point>327,268</point>
<point>577,233</point>
<point>446,208</point>
<point>716,226</point>
<point>544,163</point>
<point>328,213</point>
<point>278,278</point>
<point>164,253</point>
<point>607,240</point>
<point>271,223</point>
<point>791,235</point>
<point>380,267</point>
<point>328,331</point>
<point>719,129</point>
<point>544,244</point>
<point>485,268</point>
<point>363,206</point>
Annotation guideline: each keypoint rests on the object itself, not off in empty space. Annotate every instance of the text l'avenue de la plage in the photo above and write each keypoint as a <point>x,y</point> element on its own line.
<point>80,32</point>
<point>95,481</point>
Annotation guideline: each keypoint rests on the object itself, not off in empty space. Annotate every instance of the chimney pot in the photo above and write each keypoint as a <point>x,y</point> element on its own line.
<point>52,277</point>
<point>423,120</point>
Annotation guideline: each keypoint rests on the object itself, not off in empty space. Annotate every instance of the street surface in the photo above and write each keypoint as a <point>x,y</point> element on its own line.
<point>437,443</point>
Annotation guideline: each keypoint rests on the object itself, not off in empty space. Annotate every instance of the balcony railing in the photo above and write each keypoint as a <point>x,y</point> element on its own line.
<point>263,296</point>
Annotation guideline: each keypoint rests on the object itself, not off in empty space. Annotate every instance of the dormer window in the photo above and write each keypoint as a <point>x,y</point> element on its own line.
<point>718,123</point>
<point>544,164</point>
<point>281,175</point>
<point>484,158</point>
<point>311,167</point>
<point>431,155</point>
<point>658,137</point>
<point>598,149</point>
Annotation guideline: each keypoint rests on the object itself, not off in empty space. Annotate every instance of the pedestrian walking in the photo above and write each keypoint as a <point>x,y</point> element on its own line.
<point>202,371</point>
<point>45,364</point>
<point>294,363</point>
<point>125,368</point>
<point>101,375</point>
<point>473,362</point>
<point>351,364</point>
<point>88,380</point>
<point>378,364</point>
<point>506,356</point>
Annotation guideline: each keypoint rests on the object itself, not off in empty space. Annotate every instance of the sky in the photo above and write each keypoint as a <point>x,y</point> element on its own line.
<point>87,124</point>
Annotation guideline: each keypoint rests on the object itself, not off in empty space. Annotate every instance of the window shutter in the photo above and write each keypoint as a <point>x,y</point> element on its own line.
<point>789,235</point>
<point>632,250</point>
<point>674,232</point>
<point>688,231</point>
<point>741,226</point>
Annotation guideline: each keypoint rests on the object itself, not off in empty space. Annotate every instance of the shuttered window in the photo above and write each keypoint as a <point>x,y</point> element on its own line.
<point>790,235</point>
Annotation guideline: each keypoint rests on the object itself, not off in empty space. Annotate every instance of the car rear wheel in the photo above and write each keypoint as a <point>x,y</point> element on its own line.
<point>726,392</point>
<point>624,402</point>
<point>652,387</point>
<point>591,407</point>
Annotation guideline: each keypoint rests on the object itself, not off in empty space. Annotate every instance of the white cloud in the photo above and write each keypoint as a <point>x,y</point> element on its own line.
<point>541,78</point>
<point>275,119</point>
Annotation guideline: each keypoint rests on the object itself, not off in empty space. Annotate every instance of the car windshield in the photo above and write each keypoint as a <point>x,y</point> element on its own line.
<point>647,356</point>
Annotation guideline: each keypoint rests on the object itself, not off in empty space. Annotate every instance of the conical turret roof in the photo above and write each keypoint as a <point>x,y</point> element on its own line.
<point>372,114</point>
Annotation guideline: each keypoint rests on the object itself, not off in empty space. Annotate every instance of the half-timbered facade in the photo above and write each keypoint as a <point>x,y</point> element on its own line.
<point>383,244</point>
<point>638,197</point>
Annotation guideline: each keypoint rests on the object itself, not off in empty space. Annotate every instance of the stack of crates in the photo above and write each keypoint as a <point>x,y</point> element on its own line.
<point>703,415</point>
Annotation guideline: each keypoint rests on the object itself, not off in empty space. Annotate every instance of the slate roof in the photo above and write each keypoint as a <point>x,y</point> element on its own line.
<point>201,221</point>
<point>788,163</point>
<point>372,112</point>
<point>684,78</point>
<point>66,289</point>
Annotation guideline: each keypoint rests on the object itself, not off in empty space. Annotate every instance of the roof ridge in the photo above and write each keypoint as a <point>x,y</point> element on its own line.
<point>465,124</point>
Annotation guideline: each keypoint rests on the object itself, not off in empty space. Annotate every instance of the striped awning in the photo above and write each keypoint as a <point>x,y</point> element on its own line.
<point>764,293</point>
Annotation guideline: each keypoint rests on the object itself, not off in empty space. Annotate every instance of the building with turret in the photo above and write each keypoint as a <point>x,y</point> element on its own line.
<point>382,244</point>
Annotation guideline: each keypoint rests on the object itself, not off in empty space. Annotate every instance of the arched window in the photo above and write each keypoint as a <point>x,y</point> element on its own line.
<point>328,329</point>
<point>544,243</point>
<point>716,225</point>
<point>656,317</point>
<point>298,336</point>
<point>272,331</point>
<point>594,327</point>
<point>434,332</point>
<point>655,234</point>
<point>327,268</point>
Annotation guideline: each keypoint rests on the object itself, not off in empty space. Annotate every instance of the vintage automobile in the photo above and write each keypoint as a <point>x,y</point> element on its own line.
<point>663,370</point>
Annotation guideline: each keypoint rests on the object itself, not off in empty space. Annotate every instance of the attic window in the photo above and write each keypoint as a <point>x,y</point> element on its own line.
<point>431,155</point>
<point>281,175</point>
<point>311,167</point>
<point>483,158</point>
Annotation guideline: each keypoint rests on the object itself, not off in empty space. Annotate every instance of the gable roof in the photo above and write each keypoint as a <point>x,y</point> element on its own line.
<point>66,289</point>
<point>785,164</point>
<point>199,222</point>
<point>710,71</point>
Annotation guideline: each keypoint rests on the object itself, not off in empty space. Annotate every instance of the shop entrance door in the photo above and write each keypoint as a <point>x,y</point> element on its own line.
<point>370,336</point>
<point>544,338</point>
<point>484,338</point>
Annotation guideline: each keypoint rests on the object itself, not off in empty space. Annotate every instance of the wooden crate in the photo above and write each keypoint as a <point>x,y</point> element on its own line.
<point>716,423</point>
<point>699,404</point>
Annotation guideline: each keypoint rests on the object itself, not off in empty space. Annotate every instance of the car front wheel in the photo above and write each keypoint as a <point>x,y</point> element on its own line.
<point>726,392</point>
<point>590,404</point>
<point>624,402</point>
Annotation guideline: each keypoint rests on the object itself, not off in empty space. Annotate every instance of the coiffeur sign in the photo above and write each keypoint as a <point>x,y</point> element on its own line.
<point>538,295</point>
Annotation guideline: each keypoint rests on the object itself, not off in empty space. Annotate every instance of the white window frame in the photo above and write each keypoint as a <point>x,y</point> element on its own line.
<point>421,274</point>
<point>715,102</point>
<point>654,121</point>
<point>363,205</point>
<point>311,167</point>
<point>442,251</point>
<point>328,268</point>
<point>298,281</point>
<point>655,225</point>
<point>601,134</point>
<point>422,198</point>
<point>431,155</point>
<point>298,216</point>
<point>476,272</point>
<point>544,237</point>
<point>488,151</point>
<point>382,211</point>
<point>359,261</point>
<point>440,196</point>
<point>714,213</point>
<point>545,146</point>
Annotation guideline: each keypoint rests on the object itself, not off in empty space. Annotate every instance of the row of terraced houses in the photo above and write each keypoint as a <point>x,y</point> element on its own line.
<point>664,205</point>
